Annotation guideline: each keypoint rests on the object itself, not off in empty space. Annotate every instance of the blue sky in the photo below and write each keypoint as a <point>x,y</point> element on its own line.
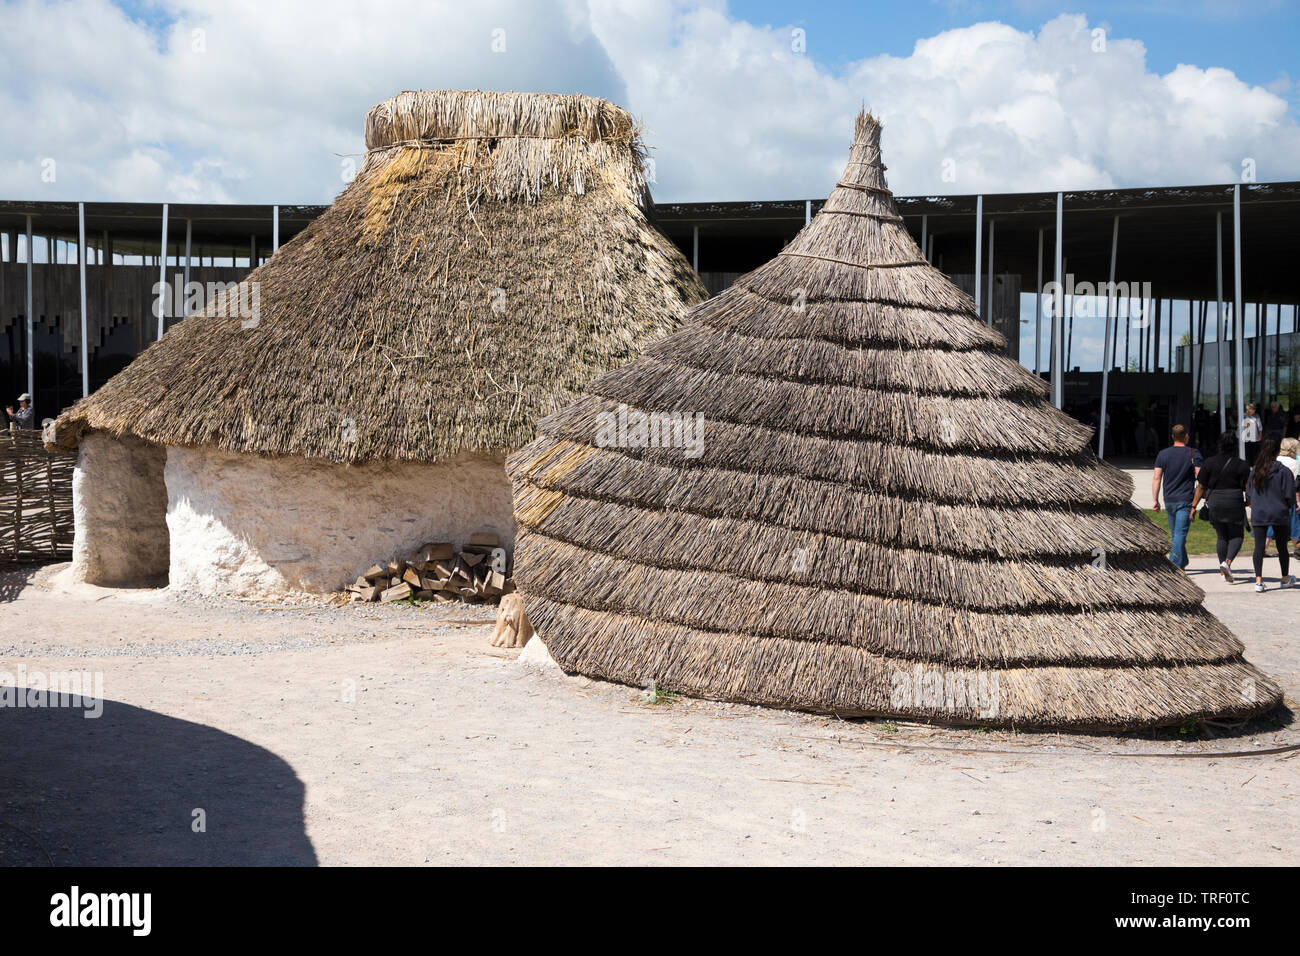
<point>1007,93</point>
<point>1258,40</point>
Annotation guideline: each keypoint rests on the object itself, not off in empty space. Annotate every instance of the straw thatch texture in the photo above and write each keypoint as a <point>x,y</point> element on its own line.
<point>882,514</point>
<point>494,252</point>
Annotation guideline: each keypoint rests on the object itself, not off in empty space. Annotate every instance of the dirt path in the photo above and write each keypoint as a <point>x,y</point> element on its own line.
<point>397,735</point>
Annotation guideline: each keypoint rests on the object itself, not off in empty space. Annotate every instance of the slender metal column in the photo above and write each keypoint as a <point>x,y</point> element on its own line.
<point>1237,315</point>
<point>1105,352</point>
<point>31,324</point>
<point>185,292</point>
<point>81,264</point>
<point>979,250</point>
<point>164,298</point>
<point>993,225</point>
<point>1038,311</point>
<point>1220,326</point>
<point>1058,313</point>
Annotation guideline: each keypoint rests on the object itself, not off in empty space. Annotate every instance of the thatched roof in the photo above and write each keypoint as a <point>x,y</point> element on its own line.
<point>884,517</point>
<point>494,253</point>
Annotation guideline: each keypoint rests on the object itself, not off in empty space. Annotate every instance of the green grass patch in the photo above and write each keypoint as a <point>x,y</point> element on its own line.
<point>1200,534</point>
<point>655,695</point>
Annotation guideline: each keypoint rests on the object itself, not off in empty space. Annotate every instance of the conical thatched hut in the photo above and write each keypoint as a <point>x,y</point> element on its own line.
<point>494,252</point>
<point>882,516</point>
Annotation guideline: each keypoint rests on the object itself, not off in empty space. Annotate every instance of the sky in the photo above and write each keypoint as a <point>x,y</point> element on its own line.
<point>243,101</point>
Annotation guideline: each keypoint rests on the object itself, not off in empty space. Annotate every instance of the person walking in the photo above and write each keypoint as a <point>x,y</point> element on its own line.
<point>1251,431</point>
<point>25,414</point>
<point>1289,455</point>
<point>1176,469</point>
<point>1271,492</point>
<point>1274,421</point>
<point>1222,483</point>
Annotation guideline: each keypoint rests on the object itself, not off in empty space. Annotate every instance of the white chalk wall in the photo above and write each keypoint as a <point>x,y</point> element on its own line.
<point>119,504</point>
<point>260,527</point>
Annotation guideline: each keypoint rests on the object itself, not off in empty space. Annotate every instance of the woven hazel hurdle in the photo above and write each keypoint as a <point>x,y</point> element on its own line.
<point>882,516</point>
<point>35,498</point>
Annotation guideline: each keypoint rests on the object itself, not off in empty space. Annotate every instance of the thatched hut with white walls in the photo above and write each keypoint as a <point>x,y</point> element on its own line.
<point>494,253</point>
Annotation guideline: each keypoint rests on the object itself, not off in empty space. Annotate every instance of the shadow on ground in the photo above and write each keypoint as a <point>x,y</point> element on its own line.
<point>16,575</point>
<point>121,790</point>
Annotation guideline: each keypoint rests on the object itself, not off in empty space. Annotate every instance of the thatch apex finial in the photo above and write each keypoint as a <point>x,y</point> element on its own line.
<point>425,115</point>
<point>867,130</point>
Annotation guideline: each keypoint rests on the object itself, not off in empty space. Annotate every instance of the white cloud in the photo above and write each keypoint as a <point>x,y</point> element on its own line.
<point>732,110</point>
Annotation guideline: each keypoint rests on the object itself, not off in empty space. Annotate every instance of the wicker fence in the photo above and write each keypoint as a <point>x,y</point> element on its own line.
<point>35,498</point>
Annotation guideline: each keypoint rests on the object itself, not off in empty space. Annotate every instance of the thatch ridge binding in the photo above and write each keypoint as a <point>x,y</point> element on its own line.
<point>448,299</point>
<point>827,538</point>
<point>515,146</point>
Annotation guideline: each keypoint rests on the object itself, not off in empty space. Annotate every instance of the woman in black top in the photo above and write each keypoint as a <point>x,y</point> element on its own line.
<point>1271,492</point>
<point>1222,483</point>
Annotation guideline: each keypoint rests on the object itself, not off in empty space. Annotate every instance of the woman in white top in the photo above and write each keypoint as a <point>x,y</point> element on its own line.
<point>1251,431</point>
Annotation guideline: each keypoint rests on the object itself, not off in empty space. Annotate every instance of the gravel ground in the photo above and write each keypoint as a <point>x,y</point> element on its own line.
<point>248,732</point>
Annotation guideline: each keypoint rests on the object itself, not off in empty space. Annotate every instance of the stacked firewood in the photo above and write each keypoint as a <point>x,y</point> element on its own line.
<point>477,573</point>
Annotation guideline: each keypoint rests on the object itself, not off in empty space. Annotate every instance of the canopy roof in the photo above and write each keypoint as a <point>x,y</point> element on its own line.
<point>493,254</point>
<point>882,515</point>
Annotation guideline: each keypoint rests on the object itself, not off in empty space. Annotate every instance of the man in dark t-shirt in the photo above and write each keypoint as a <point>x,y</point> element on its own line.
<point>1274,421</point>
<point>1176,469</point>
